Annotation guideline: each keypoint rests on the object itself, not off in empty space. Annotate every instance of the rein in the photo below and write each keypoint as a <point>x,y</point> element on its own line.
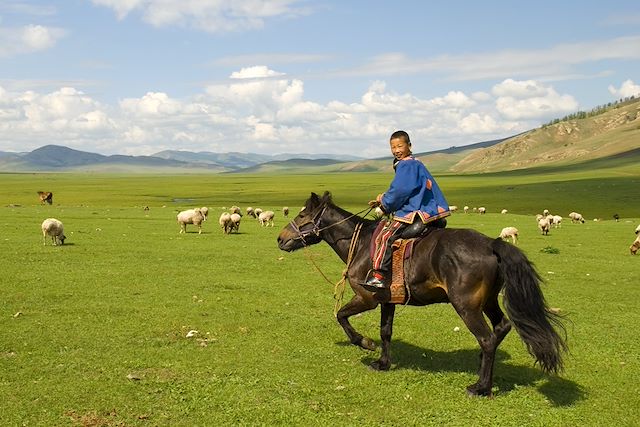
<point>339,287</point>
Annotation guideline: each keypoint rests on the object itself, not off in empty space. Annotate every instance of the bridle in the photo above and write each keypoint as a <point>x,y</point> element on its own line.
<point>316,229</point>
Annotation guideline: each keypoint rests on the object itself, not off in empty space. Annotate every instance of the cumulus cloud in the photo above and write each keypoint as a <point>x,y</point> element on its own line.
<point>28,39</point>
<point>628,88</point>
<point>263,110</point>
<point>215,16</point>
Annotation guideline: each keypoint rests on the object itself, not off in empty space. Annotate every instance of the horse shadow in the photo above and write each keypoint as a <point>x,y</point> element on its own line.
<point>559,391</point>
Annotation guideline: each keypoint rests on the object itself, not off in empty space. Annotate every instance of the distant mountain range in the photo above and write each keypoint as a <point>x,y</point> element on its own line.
<point>59,158</point>
<point>608,137</point>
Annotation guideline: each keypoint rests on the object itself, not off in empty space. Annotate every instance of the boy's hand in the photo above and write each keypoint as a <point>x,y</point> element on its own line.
<point>374,203</point>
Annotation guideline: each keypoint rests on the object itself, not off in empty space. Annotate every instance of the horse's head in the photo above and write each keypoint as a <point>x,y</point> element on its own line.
<point>304,229</point>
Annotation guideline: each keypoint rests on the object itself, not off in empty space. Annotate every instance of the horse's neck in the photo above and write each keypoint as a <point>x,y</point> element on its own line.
<point>340,230</point>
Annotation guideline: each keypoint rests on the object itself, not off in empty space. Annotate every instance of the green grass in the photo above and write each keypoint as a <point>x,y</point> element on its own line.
<point>117,301</point>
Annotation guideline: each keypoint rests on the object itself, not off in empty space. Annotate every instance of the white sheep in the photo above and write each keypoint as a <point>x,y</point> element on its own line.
<point>543,225</point>
<point>285,211</point>
<point>466,209</point>
<point>53,228</point>
<point>190,216</point>
<point>250,212</point>
<point>576,217</point>
<point>205,212</point>
<point>482,210</point>
<point>635,245</point>
<point>539,217</point>
<point>266,218</point>
<point>257,212</point>
<point>453,208</point>
<point>235,209</point>
<point>545,212</point>
<point>504,211</point>
<point>235,222</point>
<point>225,222</point>
<point>509,232</point>
<point>556,221</point>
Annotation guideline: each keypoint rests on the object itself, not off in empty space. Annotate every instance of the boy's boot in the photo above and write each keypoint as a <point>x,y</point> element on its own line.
<point>376,282</point>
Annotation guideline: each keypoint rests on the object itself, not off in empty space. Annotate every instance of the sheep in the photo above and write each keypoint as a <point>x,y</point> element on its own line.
<point>543,225</point>
<point>190,216</point>
<point>453,208</point>
<point>235,222</point>
<point>466,209</point>
<point>482,210</point>
<point>251,212</point>
<point>45,197</point>
<point>266,218</point>
<point>556,220</point>
<point>509,232</point>
<point>635,246</point>
<point>285,211</point>
<point>205,212</point>
<point>539,217</point>
<point>504,211</point>
<point>53,228</point>
<point>545,212</point>
<point>576,217</point>
<point>225,222</point>
<point>235,209</point>
<point>257,212</point>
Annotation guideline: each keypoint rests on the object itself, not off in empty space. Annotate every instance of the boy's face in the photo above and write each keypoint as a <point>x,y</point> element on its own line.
<point>399,148</point>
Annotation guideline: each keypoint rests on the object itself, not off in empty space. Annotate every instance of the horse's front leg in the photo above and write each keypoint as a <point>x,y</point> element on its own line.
<point>386,330</point>
<point>355,306</point>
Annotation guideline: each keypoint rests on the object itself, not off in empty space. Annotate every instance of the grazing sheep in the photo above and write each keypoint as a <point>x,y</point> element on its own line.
<point>545,212</point>
<point>543,225</point>
<point>250,212</point>
<point>235,222</point>
<point>190,216</point>
<point>556,220</point>
<point>453,208</point>
<point>205,212</point>
<point>53,228</point>
<point>482,210</point>
<point>466,209</point>
<point>509,232</point>
<point>266,218</point>
<point>257,211</point>
<point>504,211</point>
<point>45,197</point>
<point>225,222</point>
<point>635,246</point>
<point>576,217</point>
<point>285,211</point>
<point>235,209</point>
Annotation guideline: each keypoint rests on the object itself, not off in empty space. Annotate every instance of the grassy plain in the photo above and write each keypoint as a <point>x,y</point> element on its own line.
<point>95,332</point>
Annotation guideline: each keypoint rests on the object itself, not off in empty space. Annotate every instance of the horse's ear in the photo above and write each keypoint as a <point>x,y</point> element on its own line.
<point>326,197</point>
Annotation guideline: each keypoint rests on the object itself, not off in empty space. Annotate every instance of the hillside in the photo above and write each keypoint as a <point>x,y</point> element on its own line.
<point>610,134</point>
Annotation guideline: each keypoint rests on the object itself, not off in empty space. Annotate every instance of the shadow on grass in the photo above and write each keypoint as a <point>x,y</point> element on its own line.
<point>507,377</point>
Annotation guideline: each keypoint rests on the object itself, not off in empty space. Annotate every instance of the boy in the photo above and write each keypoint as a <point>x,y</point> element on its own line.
<point>413,198</point>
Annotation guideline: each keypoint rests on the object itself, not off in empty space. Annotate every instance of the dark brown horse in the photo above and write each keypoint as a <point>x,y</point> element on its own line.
<point>459,266</point>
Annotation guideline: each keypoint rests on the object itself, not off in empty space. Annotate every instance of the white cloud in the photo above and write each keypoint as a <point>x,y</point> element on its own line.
<point>215,16</point>
<point>628,88</point>
<point>28,39</point>
<point>272,115</point>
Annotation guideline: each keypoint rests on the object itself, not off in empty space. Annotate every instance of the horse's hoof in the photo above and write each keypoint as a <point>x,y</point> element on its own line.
<point>379,366</point>
<point>475,391</point>
<point>368,344</point>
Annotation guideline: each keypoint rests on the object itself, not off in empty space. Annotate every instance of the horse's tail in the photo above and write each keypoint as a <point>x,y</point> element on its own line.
<point>527,308</point>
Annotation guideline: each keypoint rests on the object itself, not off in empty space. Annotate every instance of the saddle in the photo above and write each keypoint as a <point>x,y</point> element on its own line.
<point>402,249</point>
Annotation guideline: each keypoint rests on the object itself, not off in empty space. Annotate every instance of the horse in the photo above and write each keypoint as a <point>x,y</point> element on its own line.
<point>458,266</point>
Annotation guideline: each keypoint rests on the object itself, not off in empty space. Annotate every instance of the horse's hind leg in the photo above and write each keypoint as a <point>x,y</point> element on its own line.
<point>386,329</point>
<point>501,325</point>
<point>488,343</point>
<point>355,306</point>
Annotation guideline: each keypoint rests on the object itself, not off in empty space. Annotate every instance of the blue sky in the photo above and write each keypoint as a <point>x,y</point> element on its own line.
<point>289,76</point>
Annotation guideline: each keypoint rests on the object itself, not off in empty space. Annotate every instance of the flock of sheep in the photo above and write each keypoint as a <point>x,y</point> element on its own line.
<point>229,221</point>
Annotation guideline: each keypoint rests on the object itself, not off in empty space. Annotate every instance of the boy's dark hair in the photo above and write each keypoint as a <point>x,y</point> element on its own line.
<point>401,135</point>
